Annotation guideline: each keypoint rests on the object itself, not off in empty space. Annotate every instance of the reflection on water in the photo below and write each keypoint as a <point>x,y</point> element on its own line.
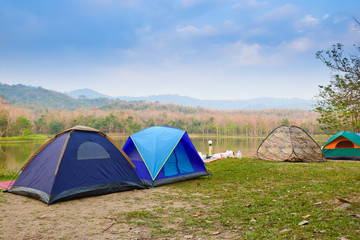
<point>14,155</point>
<point>247,146</point>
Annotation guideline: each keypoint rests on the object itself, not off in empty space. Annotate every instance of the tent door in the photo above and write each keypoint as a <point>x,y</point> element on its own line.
<point>171,167</point>
<point>178,162</point>
<point>345,144</point>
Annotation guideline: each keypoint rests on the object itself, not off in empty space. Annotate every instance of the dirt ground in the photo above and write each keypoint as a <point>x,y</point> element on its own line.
<point>89,218</point>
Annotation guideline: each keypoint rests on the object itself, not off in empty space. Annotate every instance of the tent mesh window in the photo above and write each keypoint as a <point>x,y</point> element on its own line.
<point>91,150</point>
<point>345,144</point>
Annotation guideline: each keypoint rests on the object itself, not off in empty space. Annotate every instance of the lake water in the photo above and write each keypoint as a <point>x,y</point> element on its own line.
<point>14,155</point>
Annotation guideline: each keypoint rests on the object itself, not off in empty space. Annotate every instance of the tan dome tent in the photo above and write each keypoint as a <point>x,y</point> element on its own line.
<point>291,144</point>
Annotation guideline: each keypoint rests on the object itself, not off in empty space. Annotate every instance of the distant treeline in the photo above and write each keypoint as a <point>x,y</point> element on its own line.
<point>130,117</point>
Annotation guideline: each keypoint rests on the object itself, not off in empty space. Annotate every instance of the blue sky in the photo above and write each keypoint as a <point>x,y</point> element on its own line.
<point>207,49</point>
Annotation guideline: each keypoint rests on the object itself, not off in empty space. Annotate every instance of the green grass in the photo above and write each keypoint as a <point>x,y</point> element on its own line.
<point>9,176</point>
<point>254,199</point>
<point>35,137</point>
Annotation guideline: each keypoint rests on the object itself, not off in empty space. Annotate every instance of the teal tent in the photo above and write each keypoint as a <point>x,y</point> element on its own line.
<point>343,146</point>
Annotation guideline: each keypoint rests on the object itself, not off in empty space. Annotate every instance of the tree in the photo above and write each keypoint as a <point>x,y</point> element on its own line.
<point>41,125</point>
<point>56,126</point>
<point>99,123</point>
<point>339,102</point>
<point>4,121</point>
<point>284,122</point>
<point>4,115</point>
<point>21,124</point>
<point>132,125</point>
<point>150,123</point>
<point>27,132</point>
<point>110,122</point>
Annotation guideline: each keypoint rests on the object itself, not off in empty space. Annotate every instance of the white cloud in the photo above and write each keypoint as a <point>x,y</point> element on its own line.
<point>249,4</point>
<point>280,13</point>
<point>308,20</point>
<point>326,16</point>
<point>298,45</point>
<point>155,80</point>
<point>187,29</point>
<point>101,4</point>
<point>191,31</point>
<point>105,4</point>
<point>242,54</point>
<point>339,19</point>
<point>99,7</point>
<point>190,3</point>
<point>143,30</point>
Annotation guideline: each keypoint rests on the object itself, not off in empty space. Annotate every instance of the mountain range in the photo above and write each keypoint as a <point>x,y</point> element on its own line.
<point>37,96</point>
<point>250,104</point>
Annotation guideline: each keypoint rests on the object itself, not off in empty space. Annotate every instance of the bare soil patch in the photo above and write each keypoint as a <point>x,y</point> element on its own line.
<point>125,215</point>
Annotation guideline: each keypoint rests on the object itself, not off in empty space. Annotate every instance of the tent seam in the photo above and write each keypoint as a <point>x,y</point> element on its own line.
<point>169,155</point>
<point>323,156</point>
<point>142,158</point>
<point>58,165</point>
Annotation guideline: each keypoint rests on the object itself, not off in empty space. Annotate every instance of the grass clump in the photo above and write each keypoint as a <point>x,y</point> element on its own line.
<point>8,176</point>
<point>254,199</point>
<point>261,199</point>
<point>143,215</point>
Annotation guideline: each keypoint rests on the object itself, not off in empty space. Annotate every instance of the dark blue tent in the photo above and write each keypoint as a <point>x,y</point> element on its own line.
<point>164,155</point>
<point>78,162</point>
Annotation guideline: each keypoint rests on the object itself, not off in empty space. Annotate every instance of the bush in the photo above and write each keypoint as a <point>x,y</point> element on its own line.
<point>27,132</point>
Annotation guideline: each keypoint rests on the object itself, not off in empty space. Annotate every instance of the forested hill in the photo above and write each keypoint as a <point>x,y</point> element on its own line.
<point>249,104</point>
<point>36,96</point>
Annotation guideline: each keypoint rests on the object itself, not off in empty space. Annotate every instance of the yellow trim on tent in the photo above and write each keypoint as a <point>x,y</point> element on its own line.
<point>125,155</point>
<point>62,152</point>
<point>169,155</point>
<point>142,158</point>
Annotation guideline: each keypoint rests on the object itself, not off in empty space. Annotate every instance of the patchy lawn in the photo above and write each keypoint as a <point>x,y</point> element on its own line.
<point>244,199</point>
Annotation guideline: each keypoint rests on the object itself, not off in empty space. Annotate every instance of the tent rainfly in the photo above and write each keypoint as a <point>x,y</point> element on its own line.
<point>290,143</point>
<point>78,162</point>
<point>343,146</point>
<point>164,155</point>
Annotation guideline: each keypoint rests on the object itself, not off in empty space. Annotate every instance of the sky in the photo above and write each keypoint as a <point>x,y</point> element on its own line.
<point>206,49</point>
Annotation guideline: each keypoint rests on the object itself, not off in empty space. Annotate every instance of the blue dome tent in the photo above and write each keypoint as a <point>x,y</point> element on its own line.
<point>78,162</point>
<point>164,155</point>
